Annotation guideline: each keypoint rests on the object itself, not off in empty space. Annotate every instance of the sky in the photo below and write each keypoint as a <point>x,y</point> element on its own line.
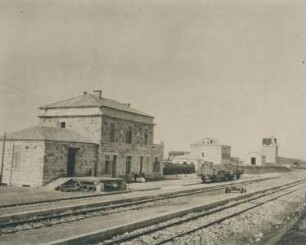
<point>228,69</point>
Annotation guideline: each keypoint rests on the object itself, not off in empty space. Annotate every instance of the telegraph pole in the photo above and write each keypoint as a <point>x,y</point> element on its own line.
<point>2,160</point>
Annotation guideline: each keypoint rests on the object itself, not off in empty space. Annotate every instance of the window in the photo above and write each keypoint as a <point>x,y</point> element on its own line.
<point>156,165</point>
<point>107,164</point>
<point>16,156</point>
<point>202,154</point>
<point>145,136</point>
<point>63,124</point>
<point>128,163</point>
<point>128,135</point>
<point>112,132</point>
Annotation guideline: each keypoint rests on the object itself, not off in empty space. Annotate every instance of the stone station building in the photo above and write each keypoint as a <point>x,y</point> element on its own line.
<point>92,136</point>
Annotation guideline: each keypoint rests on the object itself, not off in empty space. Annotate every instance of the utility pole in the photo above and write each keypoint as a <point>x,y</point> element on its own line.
<point>2,160</point>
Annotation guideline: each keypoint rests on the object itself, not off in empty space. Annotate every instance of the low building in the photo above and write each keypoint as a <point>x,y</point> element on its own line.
<point>269,156</point>
<point>37,155</point>
<point>173,154</point>
<point>185,159</point>
<point>255,159</point>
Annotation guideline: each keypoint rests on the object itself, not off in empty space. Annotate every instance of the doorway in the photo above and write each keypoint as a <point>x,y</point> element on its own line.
<point>253,160</point>
<point>114,166</point>
<point>71,162</point>
<point>141,165</point>
<point>128,162</point>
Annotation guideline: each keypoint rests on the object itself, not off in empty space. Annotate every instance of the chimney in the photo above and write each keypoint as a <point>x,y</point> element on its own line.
<point>100,93</point>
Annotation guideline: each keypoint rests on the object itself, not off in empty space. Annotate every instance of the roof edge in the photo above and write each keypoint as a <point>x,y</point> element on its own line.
<point>144,114</point>
<point>43,140</point>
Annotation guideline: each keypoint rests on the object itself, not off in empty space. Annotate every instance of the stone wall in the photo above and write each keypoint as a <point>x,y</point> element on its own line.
<point>136,149</point>
<point>212,153</point>
<point>63,112</point>
<point>259,159</point>
<point>56,156</point>
<point>121,126</point>
<point>89,126</point>
<point>148,153</point>
<point>271,153</point>
<point>25,167</point>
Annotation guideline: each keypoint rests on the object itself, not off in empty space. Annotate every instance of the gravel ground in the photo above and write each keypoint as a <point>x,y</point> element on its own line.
<point>297,234</point>
<point>247,228</point>
<point>250,227</point>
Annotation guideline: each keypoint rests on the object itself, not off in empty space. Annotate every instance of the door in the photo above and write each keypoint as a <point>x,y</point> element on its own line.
<point>141,165</point>
<point>114,167</point>
<point>128,162</point>
<point>253,160</point>
<point>71,162</point>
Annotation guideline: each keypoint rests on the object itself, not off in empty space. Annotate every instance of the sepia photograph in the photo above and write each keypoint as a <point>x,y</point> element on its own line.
<point>152,122</point>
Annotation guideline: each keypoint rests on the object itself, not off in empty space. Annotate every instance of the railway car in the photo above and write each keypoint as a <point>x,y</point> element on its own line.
<point>209,171</point>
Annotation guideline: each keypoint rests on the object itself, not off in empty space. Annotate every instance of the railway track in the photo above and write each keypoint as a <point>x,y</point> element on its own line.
<point>165,233</point>
<point>97,196</point>
<point>39,218</point>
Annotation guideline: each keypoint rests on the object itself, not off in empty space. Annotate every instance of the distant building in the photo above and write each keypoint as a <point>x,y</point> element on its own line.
<point>255,159</point>
<point>269,156</point>
<point>206,149</point>
<point>211,150</point>
<point>173,154</point>
<point>123,139</point>
<point>185,159</point>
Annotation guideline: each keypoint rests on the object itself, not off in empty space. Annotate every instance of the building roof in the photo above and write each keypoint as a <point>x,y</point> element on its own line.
<point>255,153</point>
<point>207,141</point>
<point>178,152</point>
<point>90,100</point>
<point>187,156</point>
<point>48,133</point>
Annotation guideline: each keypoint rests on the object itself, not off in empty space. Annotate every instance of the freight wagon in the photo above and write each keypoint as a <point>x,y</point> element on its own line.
<point>209,171</point>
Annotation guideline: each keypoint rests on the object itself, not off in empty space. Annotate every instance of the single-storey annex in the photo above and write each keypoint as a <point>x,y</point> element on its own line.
<point>37,155</point>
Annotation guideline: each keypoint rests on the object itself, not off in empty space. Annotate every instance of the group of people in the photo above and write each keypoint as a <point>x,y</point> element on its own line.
<point>139,177</point>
